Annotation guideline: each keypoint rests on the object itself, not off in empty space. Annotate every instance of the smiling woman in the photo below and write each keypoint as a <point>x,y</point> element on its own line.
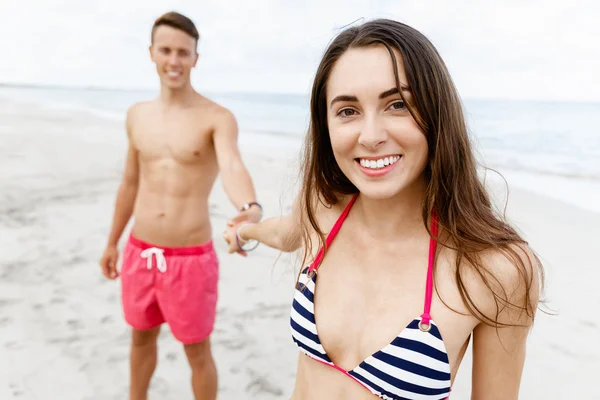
<point>390,209</point>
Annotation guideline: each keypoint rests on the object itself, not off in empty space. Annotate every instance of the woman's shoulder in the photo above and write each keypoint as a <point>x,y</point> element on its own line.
<point>317,222</point>
<point>327,214</point>
<point>504,283</point>
<point>515,266</point>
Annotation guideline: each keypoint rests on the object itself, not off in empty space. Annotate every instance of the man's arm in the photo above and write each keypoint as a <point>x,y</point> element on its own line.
<point>236,179</point>
<point>124,204</point>
<point>126,196</point>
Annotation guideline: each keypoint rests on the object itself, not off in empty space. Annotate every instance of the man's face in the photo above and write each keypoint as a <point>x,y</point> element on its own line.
<point>174,53</point>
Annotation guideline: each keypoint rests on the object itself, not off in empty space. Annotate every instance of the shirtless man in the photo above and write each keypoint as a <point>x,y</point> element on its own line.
<point>178,143</point>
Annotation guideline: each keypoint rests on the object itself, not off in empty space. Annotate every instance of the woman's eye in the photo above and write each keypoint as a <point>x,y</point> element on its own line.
<point>347,112</point>
<point>399,105</point>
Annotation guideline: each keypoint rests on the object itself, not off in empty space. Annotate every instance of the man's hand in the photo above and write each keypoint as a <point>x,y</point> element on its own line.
<point>253,214</point>
<point>108,262</point>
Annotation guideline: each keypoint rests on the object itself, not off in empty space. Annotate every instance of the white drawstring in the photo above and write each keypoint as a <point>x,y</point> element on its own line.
<point>161,262</point>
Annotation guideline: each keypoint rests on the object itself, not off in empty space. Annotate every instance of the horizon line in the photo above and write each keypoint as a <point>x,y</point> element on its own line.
<point>22,85</point>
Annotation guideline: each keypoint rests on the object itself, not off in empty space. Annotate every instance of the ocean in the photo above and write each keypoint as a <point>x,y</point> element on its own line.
<point>548,147</point>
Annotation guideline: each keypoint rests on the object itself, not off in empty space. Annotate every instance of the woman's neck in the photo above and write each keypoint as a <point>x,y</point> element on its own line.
<point>397,216</point>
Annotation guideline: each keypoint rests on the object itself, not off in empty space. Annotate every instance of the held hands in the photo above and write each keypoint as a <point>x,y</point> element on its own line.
<point>230,237</point>
<point>251,213</point>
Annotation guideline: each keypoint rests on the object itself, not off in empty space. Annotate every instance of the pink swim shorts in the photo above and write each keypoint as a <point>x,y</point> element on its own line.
<point>173,285</point>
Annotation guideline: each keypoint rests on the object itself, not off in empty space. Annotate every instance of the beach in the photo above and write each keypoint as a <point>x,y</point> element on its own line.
<point>62,333</point>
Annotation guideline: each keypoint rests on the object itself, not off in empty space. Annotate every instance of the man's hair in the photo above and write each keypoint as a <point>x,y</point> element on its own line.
<point>177,21</point>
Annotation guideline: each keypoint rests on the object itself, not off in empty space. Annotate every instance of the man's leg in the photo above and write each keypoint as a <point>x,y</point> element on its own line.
<point>191,305</point>
<point>142,361</point>
<point>204,372</point>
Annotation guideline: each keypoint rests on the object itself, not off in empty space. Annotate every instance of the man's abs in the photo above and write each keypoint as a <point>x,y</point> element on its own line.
<point>172,225</point>
<point>173,211</point>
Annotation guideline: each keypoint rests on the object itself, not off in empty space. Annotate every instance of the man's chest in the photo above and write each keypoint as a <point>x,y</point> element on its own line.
<point>183,142</point>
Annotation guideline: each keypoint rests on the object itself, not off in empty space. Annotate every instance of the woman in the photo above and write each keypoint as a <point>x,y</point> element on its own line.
<point>390,209</point>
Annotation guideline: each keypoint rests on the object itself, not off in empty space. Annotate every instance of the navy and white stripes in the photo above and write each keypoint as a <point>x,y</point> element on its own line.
<point>414,365</point>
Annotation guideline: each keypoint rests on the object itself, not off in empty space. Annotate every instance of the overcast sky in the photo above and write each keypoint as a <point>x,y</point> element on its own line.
<point>545,49</point>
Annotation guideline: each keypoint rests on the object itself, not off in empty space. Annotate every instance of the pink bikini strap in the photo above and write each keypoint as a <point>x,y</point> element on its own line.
<point>426,317</point>
<point>332,234</point>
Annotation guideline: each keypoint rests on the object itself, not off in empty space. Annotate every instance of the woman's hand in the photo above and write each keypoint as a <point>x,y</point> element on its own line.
<point>229,235</point>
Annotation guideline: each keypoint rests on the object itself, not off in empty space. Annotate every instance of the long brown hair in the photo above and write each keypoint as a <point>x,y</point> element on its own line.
<point>465,212</point>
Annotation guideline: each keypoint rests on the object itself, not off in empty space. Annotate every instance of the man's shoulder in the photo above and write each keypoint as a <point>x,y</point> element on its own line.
<point>217,111</point>
<point>135,113</point>
<point>139,107</point>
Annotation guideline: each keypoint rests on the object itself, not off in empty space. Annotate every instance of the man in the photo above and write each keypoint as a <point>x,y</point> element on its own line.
<point>178,143</point>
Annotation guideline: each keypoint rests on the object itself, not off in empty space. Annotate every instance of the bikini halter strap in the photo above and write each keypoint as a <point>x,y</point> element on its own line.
<point>424,325</point>
<point>332,234</point>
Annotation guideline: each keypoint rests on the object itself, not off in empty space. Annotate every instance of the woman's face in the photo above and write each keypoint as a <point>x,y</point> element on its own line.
<point>376,141</point>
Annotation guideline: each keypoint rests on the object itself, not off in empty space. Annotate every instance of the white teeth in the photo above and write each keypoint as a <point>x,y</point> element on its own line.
<point>382,162</point>
<point>173,74</point>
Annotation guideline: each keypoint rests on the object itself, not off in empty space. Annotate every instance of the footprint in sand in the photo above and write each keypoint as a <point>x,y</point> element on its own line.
<point>15,390</point>
<point>8,302</point>
<point>74,261</point>
<point>7,271</point>
<point>60,290</point>
<point>117,358</point>
<point>231,344</point>
<point>219,331</point>
<point>66,340</point>
<point>12,345</point>
<point>5,321</point>
<point>74,324</point>
<point>259,385</point>
<point>159,388</point>
<point>588,324</point>
<point>563,350</point>
<point>238,325</point>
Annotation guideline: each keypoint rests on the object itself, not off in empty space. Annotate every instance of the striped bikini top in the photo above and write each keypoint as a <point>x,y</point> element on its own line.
<point>414,365</point>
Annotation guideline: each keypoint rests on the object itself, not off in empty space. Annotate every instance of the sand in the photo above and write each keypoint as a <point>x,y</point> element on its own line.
<point>62,334</point>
